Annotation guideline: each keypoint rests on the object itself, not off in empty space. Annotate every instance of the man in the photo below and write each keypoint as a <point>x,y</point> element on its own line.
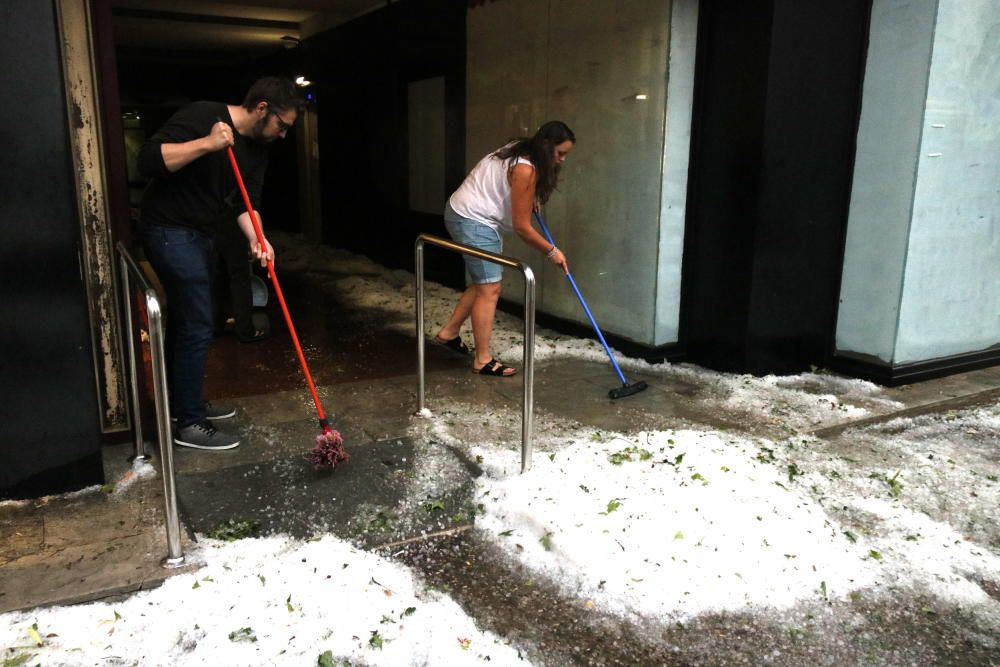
<point>192,190</point>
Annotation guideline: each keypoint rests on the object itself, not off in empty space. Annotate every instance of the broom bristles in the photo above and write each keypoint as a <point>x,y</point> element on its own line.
<point>329,451</point>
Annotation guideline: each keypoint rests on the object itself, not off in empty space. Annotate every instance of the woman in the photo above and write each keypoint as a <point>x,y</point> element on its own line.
<point>497,197</point>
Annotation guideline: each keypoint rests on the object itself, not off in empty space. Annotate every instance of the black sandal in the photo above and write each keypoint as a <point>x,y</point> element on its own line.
<point>455,345</point>
<point>257,336</point>
<point>495,369</point>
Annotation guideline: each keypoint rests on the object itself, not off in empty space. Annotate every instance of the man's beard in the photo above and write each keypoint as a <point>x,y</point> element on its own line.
<point>257,131</point>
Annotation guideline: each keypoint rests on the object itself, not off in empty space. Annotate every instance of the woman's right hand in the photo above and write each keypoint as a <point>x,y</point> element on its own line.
<point>559,259</point>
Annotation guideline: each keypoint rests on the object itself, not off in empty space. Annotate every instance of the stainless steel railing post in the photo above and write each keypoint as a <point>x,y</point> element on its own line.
<point>527,410</point>
<point>419,270</point>
<point>133,363</point>
<point>175,551</point>
<point>528,377</point>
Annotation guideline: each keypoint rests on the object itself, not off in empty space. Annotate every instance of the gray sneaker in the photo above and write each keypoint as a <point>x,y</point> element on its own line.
<point>204,436</point>
<point>214,412</point>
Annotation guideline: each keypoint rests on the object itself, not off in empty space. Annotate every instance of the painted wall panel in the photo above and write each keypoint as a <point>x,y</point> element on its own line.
<point>584,62</point>
<point>885,171</point>
<point>951,293</point>
<point>506,70</point>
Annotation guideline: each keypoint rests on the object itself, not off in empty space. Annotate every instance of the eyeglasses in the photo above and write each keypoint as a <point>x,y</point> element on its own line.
<point>283,125</point>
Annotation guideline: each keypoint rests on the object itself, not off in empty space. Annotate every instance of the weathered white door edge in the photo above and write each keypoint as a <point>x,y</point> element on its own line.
<point>96,248</point>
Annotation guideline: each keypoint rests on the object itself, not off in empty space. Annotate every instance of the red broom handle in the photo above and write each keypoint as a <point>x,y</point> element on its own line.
<point>277,288</point>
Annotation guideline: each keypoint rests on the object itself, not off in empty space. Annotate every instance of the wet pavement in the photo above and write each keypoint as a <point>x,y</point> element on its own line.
<point>408,492</point>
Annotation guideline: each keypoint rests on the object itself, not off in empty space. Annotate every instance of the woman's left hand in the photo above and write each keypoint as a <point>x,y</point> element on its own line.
<point>559,259</point>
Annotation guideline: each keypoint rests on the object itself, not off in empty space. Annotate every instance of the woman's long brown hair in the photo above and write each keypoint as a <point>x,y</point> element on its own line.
<point>540,150</point>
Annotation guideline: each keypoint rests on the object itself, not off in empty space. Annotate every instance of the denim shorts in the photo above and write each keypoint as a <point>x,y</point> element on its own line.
<point>477,235</point>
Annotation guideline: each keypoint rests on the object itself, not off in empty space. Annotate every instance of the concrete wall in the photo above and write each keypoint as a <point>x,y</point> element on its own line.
<point>585,63</point>
<point>923,244</point>
<point>951,286</point>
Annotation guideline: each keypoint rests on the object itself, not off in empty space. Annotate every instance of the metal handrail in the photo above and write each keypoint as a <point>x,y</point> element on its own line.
<point>131,271</point>
<point>528,376</point>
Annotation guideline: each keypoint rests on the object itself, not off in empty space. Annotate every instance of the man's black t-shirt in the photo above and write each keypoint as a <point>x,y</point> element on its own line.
<point>203,191</point>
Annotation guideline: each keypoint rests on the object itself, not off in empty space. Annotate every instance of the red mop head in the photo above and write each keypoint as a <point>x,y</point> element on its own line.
<point>329,451</point>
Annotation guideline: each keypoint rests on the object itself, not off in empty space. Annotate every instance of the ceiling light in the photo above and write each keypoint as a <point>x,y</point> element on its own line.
<point>302,82</point>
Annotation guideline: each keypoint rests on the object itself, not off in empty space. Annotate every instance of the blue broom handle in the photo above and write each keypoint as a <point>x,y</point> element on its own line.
<point>593,322</point>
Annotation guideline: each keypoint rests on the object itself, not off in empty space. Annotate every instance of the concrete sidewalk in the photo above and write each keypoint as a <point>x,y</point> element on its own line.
<point>407,491</point>
<point>70,549</point>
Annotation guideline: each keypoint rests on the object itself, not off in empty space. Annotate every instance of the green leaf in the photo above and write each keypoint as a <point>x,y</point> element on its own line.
<point>288,604</point>
<point>433,505</point>
<point>626,454</point>
<point>697,476</point>
<point>793,472</point>
<point>895,487</point>
<point>546,541</point>
<point>243,635</point>
<point>108,488</point>
<point>325,659</point>
<point>387,619</point>
<point>17,660</point>
<point>118,616</point>
<point>822,588</point>
<point>613,505</point>
<point>874,554</point>
<point>235,529</point>
<point>851,536</point>
<point>375,641</point>
<point>585,489</point>
<point>262,579</point>
<point>678,535</point>
<point>552,457</point>
<point>766,455</point>
<point>196,585</point>
<point>409,611</point>
<point>506,533</point>
<point>382,522</point>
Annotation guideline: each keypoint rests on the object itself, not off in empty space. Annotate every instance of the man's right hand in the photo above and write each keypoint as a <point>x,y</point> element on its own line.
<point>220,137</point>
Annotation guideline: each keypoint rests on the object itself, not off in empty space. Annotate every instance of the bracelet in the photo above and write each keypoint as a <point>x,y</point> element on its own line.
<point>551,252</point>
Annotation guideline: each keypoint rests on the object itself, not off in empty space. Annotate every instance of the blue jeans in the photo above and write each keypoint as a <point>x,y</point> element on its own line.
<point>184,262</point>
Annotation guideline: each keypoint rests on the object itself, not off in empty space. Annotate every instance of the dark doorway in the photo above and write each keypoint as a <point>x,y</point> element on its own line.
<point>778,89</point>
<point>367,67</point>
